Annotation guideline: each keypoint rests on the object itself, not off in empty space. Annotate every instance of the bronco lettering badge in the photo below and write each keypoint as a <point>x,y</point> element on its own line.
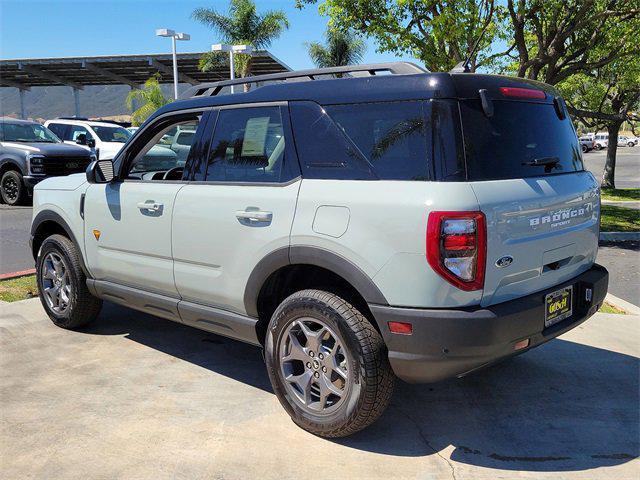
<point>561,217</point>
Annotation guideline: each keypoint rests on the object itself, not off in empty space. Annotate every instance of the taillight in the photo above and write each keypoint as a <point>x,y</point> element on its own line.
<point>516,92</point>
<point>457,247</point>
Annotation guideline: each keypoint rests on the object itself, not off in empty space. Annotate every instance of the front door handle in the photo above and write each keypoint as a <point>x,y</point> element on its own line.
<point>254,215</point>
<point>150,206</point>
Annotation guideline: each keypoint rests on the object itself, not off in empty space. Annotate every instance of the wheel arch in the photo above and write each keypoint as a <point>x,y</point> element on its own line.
<point>287,270</point>
<point>46,223</point>
<point>11,163</point>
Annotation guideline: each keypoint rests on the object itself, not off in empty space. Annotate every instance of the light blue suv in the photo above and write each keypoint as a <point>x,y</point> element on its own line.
<point>359,224</point>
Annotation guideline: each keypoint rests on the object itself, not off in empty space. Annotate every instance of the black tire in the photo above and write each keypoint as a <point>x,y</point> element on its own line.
<point>82,307</point>
<point>12,188</point>
<point>370,380</point>
<point>584,149</point>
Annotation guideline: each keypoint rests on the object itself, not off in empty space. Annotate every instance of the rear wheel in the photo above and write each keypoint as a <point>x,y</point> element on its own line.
<point>12,188</point>
<point>62,284</point>
<point>584,149</point>
<point>327,364</point>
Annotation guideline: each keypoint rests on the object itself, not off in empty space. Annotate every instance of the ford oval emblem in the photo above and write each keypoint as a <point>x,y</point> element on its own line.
<point>505,261</point>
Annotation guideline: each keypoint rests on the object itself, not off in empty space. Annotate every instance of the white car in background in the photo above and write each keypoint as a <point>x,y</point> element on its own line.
<point>624,141</point>
<point>106,138</point>
<point>600,141</point>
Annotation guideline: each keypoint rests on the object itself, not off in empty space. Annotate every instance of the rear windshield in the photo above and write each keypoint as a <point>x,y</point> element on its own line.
<point>518,134</point>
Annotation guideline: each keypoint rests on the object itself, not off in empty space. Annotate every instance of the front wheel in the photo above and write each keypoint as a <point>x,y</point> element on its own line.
<point>12,188</point>
<point>584,149</point>
<point>62,284</point>
<point>327,364</point>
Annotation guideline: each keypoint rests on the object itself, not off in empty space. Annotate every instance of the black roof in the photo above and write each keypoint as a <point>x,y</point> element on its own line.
<point>331,91</point>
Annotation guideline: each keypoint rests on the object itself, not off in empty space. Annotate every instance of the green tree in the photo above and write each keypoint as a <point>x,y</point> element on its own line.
<point>441,33</point>
<point>242,25</point>
<point>606,98</point>
<point>555,39</point>
<point>149,97</point>
<point>342,47</point>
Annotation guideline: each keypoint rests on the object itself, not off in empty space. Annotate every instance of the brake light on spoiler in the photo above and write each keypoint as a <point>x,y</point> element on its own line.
<point>515,92</point>
<point>457,247</point>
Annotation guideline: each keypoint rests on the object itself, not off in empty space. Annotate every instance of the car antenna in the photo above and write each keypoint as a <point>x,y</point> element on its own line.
<point>463,67</point>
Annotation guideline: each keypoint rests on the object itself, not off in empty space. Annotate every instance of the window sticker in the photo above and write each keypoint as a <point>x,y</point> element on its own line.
<point>255,135</point>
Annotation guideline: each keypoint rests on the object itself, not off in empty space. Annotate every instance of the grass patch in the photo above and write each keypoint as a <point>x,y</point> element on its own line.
<point>619,219</point>
<point>18,288</point>
<point>608,308</point>
<point>621,194</point>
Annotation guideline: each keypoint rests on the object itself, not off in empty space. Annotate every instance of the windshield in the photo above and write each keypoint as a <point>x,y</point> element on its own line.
<point>520,140</point>
<point>112,134</point>
<point>26,133</point>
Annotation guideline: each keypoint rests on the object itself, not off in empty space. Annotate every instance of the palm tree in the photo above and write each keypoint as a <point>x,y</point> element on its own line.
<point>150,97</point>
<point>342,48</point>
<point>241,26</point>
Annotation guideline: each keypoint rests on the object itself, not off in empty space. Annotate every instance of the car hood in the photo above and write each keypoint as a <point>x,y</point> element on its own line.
<point>48,149</point>
<point>69,182</point>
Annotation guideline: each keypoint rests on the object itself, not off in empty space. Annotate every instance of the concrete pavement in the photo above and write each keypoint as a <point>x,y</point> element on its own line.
<point>15,227</point>
<point>135,397</point>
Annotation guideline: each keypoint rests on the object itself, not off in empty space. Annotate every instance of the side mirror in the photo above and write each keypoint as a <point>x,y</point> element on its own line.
<point>91,143</point>
<point>100,171</point>
<point>81,139</point>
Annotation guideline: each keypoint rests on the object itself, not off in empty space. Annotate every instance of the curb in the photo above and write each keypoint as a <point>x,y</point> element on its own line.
<point>619,236</point>
<point>628,307</point>
<point>12,275</point>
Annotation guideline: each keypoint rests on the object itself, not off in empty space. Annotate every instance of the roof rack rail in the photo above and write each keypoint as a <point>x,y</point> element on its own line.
<point>395,68</point>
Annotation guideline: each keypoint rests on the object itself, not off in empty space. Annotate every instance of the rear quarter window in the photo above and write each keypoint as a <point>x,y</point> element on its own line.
<point>501,146</point>
<point>363,141</point>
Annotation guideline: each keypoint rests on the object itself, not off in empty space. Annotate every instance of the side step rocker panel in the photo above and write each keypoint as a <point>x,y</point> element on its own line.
<point>203,317</point>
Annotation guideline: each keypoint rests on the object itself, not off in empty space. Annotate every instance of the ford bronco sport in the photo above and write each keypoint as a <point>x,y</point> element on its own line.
<point>359,223</point>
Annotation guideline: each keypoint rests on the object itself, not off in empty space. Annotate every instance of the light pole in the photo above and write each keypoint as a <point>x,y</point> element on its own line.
<point>221,47</point>
<point>165,32</point>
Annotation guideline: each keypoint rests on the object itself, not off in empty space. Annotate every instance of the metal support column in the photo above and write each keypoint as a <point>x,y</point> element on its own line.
<point>76,99</point>
<point>23,114</point>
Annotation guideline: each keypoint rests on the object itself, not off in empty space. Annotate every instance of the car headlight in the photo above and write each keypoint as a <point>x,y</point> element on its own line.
<point>36,163</point>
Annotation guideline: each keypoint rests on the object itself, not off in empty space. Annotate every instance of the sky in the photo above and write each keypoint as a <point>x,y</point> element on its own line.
<point>71,28</point>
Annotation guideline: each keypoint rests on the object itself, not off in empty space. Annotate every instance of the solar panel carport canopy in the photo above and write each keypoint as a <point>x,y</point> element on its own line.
<point>132,70</point>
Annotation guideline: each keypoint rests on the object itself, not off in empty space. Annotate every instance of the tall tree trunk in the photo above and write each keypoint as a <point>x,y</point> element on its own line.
<point>608,177</point>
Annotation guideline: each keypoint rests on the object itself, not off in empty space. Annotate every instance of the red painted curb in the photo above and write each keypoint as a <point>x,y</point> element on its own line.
<point>23,273</point>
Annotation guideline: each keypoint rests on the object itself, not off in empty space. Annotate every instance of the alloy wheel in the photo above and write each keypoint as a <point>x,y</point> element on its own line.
<point>56,283</point>
<point>11,188</point>
<point>314,365</point>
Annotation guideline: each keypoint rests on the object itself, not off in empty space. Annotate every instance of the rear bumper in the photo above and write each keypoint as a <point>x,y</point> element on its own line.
<point>449,343</point>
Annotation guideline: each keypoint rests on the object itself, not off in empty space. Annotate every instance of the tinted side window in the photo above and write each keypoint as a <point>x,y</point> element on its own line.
<point>323,148</point>
<point>392,136</point>
<point>162,158</point>
<point>76,130</point>
<point>61,130</point>
<point>248,146</point>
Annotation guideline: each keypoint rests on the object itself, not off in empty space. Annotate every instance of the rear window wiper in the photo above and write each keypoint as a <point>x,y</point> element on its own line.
<point>549,163</point>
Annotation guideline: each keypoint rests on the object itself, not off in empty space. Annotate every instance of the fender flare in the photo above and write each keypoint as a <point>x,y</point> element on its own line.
<point>51,216</point>
<point>308,255</point>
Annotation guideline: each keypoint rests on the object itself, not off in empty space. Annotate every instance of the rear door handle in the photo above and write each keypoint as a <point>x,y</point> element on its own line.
<point>254,215</point>
<point>150,205</point>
